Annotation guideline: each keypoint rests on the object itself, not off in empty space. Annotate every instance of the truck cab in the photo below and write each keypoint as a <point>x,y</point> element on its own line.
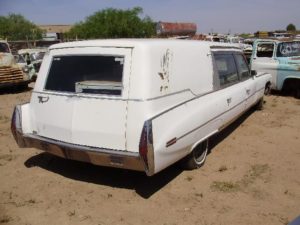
<point>280,58</point>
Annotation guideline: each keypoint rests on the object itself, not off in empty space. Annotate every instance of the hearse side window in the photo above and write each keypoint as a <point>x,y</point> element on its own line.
<point>86,74</point>
<point>226,68</point>
<point>265,50</point>
<point>242,66</point>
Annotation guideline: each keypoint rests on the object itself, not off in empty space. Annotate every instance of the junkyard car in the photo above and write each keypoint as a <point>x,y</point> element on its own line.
<point>33,59</point>
<point>10,73</point>
<point>21,63</point>
<point>282,60</point>
<point>136,104</point>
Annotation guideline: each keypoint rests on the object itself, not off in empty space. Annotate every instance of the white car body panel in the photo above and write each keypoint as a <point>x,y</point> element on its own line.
<point>82,119</point>
<point>169,85</point>
<point>268,65</point>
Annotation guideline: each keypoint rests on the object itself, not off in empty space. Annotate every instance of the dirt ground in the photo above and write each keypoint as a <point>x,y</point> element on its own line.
<point>251,176</point>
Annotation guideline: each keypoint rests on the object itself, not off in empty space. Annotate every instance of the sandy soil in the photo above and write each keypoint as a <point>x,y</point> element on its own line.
<point>251,176</point>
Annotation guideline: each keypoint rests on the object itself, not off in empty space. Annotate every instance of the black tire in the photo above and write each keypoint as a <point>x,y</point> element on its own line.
<point>260,104</point>
<point>297,93</point>
<point>267,89</point>
<point>197,157</point>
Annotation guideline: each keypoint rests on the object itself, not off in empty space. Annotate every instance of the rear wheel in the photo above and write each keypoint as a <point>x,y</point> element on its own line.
<point>197,157</point>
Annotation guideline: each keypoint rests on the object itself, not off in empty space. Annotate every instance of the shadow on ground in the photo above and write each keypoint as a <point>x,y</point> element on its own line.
<point>138,181</point>
<point>15,90</point>
<point>219,137</point>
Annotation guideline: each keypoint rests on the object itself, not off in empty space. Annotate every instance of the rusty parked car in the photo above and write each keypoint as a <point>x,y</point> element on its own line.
<point>10,73</point>
<point>33,59</point>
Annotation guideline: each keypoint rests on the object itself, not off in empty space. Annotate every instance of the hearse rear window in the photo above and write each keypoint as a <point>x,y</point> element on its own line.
<point>86,74</point>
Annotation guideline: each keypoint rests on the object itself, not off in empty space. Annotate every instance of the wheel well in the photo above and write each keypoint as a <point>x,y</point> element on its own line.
<point>291,84</point>
<point>267,88</point>
<point>198,143</point>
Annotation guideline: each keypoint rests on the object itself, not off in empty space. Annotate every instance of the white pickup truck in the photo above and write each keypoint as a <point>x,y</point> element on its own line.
<point>136,104</point>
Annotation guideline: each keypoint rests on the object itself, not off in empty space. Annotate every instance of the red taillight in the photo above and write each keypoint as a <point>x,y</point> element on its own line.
<point>146,149</point>
<point>143,148</point>
<point>171,142</point>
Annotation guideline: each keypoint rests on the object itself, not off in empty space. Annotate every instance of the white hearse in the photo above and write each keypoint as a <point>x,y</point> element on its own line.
<point>136,104</point>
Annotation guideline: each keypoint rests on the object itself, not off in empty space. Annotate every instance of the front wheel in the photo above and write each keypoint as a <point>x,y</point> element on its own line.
<point>197,157</point>
<point>267,89</point>
<point>260,104</point>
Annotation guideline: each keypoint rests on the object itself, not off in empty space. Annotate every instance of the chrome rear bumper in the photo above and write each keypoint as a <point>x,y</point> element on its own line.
<point>96,156</point>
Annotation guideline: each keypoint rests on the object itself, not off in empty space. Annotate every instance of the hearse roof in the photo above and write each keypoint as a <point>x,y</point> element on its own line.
<point>132,43</point>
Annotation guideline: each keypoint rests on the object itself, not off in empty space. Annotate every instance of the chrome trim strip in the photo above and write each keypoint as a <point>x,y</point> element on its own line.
<point>71,95</point>
<point>202,125</point>
<point>182,103</point>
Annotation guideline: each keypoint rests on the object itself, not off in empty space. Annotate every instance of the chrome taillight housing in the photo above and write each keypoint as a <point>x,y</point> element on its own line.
<point>16,125</point>
<point>146,150</point>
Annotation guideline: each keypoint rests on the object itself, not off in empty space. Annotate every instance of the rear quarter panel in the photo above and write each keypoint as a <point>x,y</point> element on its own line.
<point>189,123</point>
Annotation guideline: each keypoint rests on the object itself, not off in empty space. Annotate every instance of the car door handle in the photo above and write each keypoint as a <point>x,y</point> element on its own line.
<point>43,99</point>
<point>248,91</point>
<point>228,101</point>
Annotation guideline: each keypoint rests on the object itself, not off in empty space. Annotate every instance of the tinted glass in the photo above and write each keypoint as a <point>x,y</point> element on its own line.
<point>226,68</point>
<point>242,67</point>
<point>86,74</point>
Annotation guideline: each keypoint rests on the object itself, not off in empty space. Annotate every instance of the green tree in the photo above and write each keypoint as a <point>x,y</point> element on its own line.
<point>114,23</point>
<point>16,27</point>
<point>291,27</point>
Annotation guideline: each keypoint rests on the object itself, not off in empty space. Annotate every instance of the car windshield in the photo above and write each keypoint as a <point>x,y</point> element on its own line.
<point>86,74</point>
<point>4,48</point>
<point>37,56</point>
<point>288,49</point>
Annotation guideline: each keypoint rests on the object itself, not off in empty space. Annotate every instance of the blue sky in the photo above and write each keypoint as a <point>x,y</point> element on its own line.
<point>221,16</point>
